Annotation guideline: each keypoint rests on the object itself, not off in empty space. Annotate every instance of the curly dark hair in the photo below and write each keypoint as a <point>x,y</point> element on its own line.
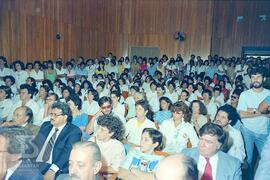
<point>113,124</point>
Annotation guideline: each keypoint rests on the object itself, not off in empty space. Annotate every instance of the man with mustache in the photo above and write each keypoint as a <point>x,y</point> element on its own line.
<point>255,124</point>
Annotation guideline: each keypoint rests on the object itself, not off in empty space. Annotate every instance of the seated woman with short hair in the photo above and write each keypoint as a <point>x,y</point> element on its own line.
<point>110,131</point>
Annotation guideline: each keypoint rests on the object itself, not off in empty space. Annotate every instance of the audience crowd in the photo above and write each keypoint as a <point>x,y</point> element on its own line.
<point>139,118</point>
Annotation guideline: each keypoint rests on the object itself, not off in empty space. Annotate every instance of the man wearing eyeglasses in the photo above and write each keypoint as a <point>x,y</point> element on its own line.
<point>54,141</point>
<point>105,104</point>
<point>212,163</point>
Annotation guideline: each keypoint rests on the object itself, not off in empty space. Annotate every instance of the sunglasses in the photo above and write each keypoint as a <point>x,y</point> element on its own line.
<point>234,97</point>
<point>106,107</point>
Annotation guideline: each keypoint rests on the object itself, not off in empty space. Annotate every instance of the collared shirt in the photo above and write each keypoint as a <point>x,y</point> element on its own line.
<point>41,153</point>
<point>202,163</point>
<point>178,137</point>
<point>236,143</point>
<point>11,170</point>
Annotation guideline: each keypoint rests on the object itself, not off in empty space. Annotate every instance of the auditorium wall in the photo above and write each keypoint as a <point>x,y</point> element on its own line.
<point>92,28</point>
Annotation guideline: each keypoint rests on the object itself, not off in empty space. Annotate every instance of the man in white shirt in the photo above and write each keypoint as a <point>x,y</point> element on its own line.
<point>255,124</point>
<point>211,162</point>
<point>26,94</point>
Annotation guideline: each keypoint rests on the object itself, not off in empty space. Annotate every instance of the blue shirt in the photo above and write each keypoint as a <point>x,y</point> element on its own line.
<point>144,162</point>
<point>152,69</point>
<point>267,100</point>
<point>81,72</point>
<point>160,116</point>
<point>80,120</point>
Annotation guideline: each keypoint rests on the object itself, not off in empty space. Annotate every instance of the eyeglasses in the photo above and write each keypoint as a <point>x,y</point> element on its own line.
<point>106,107</point>
<point>234,97</point>
<point>55,115</point>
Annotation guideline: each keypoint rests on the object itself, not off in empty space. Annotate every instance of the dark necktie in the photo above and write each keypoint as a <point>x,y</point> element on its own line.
<point>48,149</point>
<point>207,175</point>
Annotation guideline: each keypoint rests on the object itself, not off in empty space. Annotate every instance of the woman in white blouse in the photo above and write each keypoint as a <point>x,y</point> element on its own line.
<point>20,74</point>
<point>178,132</point>
<point>90,104</point>
<point>5,102</point>
<point>135,126</point>
<point>118,108</point>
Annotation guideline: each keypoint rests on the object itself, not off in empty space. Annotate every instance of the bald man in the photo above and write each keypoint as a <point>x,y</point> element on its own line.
<point>177,167</point>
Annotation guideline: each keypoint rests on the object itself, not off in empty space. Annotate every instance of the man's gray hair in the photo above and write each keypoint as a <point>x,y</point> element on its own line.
<point>19,139</point>
<point>96,154</point>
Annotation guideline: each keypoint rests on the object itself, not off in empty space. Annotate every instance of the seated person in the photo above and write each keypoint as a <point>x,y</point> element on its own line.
<point>177,130</point>
<point>227,117</point>
<point>105,104</point>
<point>54,141</point>
<point>79,118</point>
<point>23,116</point>
<point>177,167</point>
<point>13,163</point>
<point>135,126</point>
<point>84,162</point>
<point>198,114</point>
<point>212,163</point>
<point>165,112</point>
<point>5,102</point>
<point>110,132</point>
<point>140,164</point>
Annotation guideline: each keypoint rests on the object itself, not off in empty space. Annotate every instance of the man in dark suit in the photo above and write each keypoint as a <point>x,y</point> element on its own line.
<point>212,163</point>
<point>54,141</point>
<point>14,142</point>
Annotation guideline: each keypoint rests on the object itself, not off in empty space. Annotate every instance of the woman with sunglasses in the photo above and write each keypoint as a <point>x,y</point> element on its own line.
<point>178,131</point>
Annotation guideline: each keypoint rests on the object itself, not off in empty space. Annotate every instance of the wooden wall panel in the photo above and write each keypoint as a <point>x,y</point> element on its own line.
<point>92,28</point>
<point>229,35</point>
